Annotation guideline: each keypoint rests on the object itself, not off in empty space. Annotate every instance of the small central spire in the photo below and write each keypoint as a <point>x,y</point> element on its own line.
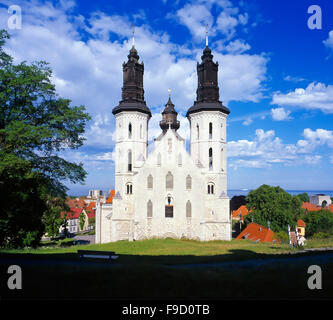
<point>207,35</point>
<point>169,91</point>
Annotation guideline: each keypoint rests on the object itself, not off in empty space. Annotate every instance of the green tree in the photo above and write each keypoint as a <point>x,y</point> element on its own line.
<point>273,205</point>
<point>82,219</point>
<point>318,221</point>
<point>35,126</point>
<point>304,197</point>
<point>52,216</point>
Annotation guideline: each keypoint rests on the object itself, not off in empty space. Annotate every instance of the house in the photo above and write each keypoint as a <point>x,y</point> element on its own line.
<point>73,220</point>
<point>307,206</point>
<point>301,227</point>
<point>168,192</point>
<point>296,238</point>
<point>320,200</point>
<point>240,213</point>
<point>257,233</point>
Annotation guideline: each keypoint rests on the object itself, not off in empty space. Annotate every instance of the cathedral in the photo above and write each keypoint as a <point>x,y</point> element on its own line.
<point>168,193</point>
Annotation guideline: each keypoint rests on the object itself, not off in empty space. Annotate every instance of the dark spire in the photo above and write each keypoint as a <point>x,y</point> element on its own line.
<point>169,117</point>
<point>132,90</point>
<point>208,90</point>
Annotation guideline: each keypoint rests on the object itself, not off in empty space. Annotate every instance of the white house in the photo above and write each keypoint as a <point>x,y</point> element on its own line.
<point>170,192</point>
<point>318,199</point>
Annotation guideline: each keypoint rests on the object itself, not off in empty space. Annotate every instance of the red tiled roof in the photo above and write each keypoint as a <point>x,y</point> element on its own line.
<point>330,207</point>
<point>76,203</point>
<point>256,232</point>
<point>91,206</point>
<point>310,207</point>
<point>301,223</point>
<point>112,193</point>
<point>74,213</point>
<point>91,214</point>
<point>242,210</point>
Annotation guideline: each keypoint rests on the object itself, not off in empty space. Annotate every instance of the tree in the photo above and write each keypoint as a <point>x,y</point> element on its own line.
<point>304,197</point>
<point>318,221</point>
<point>82,219</point>
<point>236,202</point>
<point>275,205</point>
<point>35,126</point>
<point>52,216</point>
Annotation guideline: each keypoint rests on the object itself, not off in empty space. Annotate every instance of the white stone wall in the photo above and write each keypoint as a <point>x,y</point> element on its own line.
<point>209,219</point>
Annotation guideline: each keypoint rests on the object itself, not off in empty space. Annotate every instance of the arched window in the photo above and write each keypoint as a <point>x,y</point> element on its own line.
<point>180,160</point>
<point>188,182</point>
<point>141,131</point>
<point>129,131</point>
<point>159,159</point>
<point>149,209</point>
<point>198,133</point>
<point>210,156</point>
<point>210,130</point>
<point>169,181</point>
<point>129,160</point>
<point>129,188</point>
<point>188,209</point>
<point>150,182</point>
<point>210,188</point>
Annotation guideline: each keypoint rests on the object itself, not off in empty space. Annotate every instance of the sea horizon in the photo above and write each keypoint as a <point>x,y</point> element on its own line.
<point>231,192</point>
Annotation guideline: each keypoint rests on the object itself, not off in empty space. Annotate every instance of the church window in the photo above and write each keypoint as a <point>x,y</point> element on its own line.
<point>210,188</point>
<point>129,188</point>
<point>141,131</point>
<point>210,155</point>
<point>129,160</point>
<point>180,160</point>
<point>169,181</point>
<point>149,209</point>
<point>150,182</point>
<point>210,130</point>
<point>188,209</point>
<point>130,131</point>
<point>188,182</point>
<point>159,159</point>
<point>197,132</point>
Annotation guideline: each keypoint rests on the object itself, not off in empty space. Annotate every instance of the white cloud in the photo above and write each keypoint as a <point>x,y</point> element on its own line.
<point>247,122</point>
<point>315,96</point>
<point>237,46</point>
<point>329,41</point>
<point>266,149</point>
<point>195,17</point>
<point>280,114</point>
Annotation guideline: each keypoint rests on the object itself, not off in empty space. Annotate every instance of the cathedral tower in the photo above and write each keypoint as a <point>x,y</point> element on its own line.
<point>132,116</point>
<point>208,118</point>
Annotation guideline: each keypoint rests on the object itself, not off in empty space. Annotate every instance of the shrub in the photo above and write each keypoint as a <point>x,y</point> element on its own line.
<point>282,236</point>
<point>320,235</point>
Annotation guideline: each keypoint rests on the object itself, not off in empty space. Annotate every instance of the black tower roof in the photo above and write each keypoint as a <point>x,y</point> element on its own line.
<point>169,117</point>
<point>208,90</point>
<point>132,90</point>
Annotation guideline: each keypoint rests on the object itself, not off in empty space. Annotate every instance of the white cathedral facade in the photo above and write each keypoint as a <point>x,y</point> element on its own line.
<point>168,193</point>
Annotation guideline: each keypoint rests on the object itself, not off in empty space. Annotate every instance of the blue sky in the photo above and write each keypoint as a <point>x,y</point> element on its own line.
<point>275,76</point>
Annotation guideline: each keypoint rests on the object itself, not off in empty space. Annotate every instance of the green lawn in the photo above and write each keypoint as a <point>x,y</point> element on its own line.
<point>143,270</point>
